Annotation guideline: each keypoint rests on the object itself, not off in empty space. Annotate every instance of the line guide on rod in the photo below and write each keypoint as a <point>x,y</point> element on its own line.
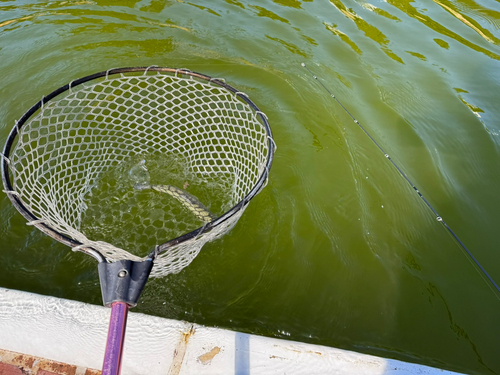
<point>438,217</point>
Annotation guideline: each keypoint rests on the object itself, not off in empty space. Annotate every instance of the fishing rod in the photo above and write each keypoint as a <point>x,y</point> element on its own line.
<point>438,217</point>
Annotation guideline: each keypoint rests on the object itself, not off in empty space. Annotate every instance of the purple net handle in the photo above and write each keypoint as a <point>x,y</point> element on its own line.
<point>116,337</point>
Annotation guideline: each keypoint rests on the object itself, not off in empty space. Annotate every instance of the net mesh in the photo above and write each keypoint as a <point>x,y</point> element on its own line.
<point>74,161</point>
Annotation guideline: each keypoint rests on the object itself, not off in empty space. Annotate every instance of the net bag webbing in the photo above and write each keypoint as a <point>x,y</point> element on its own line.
<point>99,127</point>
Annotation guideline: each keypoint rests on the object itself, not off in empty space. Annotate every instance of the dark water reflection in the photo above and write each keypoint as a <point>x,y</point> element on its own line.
<point>337,250</point>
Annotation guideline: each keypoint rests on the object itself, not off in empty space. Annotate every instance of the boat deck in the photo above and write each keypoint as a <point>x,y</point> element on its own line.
<point>46,335</point>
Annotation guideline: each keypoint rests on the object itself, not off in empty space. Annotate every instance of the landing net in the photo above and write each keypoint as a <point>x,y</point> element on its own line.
<point>191,130</point>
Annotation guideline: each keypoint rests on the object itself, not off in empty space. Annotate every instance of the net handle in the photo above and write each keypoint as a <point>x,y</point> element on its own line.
<point>112,363</point>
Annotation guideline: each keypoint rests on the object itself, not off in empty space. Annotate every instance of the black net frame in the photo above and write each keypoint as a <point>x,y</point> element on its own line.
<point>71,242</point>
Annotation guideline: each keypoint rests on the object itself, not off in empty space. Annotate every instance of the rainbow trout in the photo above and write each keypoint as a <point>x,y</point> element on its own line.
<point>187,200</point>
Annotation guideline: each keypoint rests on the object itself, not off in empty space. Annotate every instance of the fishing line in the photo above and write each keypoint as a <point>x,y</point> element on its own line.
<point>438,217</point>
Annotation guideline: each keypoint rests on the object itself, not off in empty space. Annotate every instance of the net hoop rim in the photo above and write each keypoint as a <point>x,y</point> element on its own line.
<point>48,230</point>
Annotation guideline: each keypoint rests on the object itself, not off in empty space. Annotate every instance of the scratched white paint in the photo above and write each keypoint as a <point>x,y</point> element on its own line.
<point>75,333</point>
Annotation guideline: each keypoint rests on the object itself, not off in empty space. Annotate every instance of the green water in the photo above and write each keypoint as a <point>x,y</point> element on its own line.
<point>135,219</point>
<point>338,249</point>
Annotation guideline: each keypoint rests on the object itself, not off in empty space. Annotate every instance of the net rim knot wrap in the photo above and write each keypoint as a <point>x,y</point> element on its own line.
<point>56,128</point>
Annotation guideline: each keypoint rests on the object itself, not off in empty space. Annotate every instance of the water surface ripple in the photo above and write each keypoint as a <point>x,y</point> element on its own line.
<point>337,250</point>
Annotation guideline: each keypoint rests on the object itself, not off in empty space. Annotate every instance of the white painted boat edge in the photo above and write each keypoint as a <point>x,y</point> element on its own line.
<point>75,333</point>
